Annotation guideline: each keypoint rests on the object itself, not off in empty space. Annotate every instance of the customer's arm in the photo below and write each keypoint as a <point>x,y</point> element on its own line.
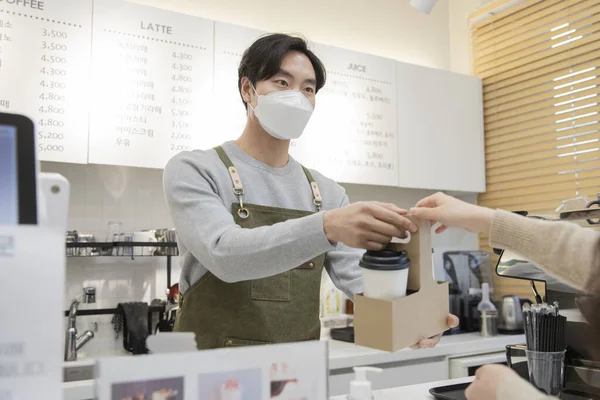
<point>513,387</point>
<point>498,382</point>
<point>564,249</point>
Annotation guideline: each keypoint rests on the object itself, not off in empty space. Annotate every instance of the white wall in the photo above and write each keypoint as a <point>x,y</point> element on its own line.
<point>460,51</point>
<point>388,28</point>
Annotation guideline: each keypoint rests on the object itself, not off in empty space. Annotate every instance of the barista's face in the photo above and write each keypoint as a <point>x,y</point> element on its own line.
<point>296,73</point>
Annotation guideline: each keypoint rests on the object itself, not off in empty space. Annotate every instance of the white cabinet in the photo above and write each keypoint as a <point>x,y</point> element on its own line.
<point>462,367</point>
<point>393,375</point>
<point>440,130</point>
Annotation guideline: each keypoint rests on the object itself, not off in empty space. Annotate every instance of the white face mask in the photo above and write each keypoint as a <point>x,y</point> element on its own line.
<point>283,114</point>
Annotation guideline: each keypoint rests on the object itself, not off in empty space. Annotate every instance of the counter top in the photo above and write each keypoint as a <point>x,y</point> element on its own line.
<point>413,392</point>
<point>348,355</point>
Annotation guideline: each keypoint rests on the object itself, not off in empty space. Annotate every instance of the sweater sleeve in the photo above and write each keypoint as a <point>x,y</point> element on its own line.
<point>341,264</point>
<point>207,229</point>
<point>515,388</point>
<point>566,250</point>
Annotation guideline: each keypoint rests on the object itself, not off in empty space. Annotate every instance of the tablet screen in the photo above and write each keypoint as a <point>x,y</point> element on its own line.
<point>9,200</point>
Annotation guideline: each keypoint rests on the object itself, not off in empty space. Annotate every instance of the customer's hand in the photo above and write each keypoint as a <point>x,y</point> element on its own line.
<point>451,212</point>
<point>368,225</point>
<point>487,381</point>
<point>434,340</point>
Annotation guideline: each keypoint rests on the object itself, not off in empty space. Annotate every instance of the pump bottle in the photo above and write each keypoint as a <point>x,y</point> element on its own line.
<point>360,387</point>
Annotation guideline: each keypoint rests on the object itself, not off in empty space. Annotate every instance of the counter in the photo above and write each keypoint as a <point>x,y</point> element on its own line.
<point>348,355</point>
<point>412,392</point>
<point>400,368</point>
<point>456,356</point>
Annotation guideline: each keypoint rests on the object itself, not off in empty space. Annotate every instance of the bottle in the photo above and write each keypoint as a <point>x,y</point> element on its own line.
<point>360,387</point>
<point>488,311</point>
<point>332,302</point>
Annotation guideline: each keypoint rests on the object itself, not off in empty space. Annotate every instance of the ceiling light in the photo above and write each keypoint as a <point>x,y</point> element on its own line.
<point>424,6</point>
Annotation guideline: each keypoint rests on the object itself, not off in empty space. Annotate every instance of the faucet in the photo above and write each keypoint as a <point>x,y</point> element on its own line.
<point>74,342</point>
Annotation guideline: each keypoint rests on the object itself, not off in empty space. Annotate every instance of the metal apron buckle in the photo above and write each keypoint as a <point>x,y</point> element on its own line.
<point>243,212</point>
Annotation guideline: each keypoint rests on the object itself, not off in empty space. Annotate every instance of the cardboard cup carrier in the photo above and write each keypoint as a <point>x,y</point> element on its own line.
<point>393,324</point>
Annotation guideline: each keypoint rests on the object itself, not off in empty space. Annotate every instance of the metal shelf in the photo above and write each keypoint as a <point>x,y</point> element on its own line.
<point>112,245</point>
<point>110,311</point>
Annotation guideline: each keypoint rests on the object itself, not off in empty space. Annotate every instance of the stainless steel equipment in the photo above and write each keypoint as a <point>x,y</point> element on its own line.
<point>73,342</point>
<point>89,295</point>
<point>165,236</point>
<point>126,250</point>
<point>489,323</point>
<point>465,272</point>
<point>71,238</point>
<point>511,314</point>
<point>87,251</point>
<point>172,237</point>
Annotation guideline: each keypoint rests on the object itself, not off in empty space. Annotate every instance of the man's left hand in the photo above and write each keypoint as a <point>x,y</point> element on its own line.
<point>428,343</point>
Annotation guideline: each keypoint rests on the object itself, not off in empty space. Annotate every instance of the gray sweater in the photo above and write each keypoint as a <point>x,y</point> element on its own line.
<point>199,195</point>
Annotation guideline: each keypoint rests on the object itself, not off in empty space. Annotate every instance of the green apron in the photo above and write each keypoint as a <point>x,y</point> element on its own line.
<point>278,309</point>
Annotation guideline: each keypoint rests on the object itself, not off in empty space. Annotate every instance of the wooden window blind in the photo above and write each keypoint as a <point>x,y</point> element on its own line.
<point>540,65</point>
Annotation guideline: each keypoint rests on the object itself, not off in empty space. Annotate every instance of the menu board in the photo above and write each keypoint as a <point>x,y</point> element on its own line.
<point>152,74</point>
<point>44,72</point>
<point>352,135</point>
<point>229,114</point>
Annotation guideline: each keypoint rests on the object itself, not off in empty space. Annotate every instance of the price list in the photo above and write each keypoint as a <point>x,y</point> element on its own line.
<point>228,115</point>
<point>44,72</point>
<point>352,135</point>
<point>152,73</point>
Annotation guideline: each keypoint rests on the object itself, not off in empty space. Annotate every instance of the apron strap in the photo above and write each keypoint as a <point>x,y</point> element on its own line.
<point>238,188</point>
<point>317,199</point>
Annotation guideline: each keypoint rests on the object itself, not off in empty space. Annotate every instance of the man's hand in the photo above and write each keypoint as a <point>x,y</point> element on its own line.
<point>368,225</point>
<point>434,340</point>
<point>487,381</point>
<point>451,212</point>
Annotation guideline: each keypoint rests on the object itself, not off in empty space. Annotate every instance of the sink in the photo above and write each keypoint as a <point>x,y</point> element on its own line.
<point>83,368</point>
<point>78,370</point>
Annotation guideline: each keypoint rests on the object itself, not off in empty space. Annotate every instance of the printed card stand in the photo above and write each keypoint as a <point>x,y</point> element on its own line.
<point>32,272</point>
<point>391,325</point>
<point>269,372</point>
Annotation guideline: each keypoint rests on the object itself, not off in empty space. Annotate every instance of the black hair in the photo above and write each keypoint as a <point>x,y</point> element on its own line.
<point>262,60</point>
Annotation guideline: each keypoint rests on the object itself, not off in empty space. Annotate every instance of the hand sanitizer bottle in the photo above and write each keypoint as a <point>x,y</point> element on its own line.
<point>360,387</point>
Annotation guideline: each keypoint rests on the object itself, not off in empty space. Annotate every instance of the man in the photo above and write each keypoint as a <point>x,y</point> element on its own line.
<point>255,228</point>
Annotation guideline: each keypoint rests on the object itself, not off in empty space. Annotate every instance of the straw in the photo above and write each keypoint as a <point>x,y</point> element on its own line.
<point>544,328</point>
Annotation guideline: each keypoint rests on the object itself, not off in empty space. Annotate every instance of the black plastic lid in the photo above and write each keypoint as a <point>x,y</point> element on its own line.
<point>385,260</point>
